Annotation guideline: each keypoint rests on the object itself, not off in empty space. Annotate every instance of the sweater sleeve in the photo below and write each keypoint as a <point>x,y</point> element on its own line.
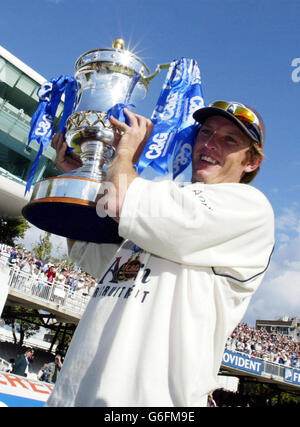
<point>92,257</point>
<point>223,226</point>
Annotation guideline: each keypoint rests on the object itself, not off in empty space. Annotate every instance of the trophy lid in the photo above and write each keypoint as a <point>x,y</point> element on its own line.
<point>117,58</point>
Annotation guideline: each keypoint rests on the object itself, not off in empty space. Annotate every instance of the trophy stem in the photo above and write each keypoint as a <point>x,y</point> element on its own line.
<point>94,155</point>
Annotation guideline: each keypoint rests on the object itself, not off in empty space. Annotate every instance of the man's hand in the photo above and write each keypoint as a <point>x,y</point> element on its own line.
<point>134,137</point>
<point>121,172</point>
<point>66,163</point>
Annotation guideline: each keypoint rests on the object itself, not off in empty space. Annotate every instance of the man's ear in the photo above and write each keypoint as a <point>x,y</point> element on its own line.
<point>253,162</point>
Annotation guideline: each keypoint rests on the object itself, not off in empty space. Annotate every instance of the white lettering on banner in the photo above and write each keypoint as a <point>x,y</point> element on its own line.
<point>169,110</point>
<point>288,374</point>
<point>157,147</point>
<point>241,362</point>
<point>178,106</point>
<point>178,73</point>
<point>292,376</point>
<point>43,92</point>
<point>182,157</point>
<point>196,78</point>
<point>44,126</point>
<point>196,102</point>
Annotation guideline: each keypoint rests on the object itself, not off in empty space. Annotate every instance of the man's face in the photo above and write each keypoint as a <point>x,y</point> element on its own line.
<point>219,153</point>
<point>29,355</point>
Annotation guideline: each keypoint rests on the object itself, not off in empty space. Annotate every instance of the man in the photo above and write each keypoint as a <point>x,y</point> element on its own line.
<point>154,331</point>
<point>21,367</point>
<point>50,273</point>
<point>53,369</point>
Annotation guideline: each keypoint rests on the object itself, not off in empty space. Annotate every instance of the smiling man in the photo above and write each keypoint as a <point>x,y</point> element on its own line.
<point>228,146</point>
<point>154,331</point>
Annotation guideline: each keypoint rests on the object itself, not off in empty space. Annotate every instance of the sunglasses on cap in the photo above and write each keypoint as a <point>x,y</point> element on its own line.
<point>242,113</point>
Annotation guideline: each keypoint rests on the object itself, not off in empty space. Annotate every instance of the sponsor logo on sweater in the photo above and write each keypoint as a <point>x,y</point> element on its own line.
<point>111,284</point>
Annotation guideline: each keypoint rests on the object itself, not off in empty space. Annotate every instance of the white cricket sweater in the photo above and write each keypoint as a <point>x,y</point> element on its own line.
<point>158,340</point>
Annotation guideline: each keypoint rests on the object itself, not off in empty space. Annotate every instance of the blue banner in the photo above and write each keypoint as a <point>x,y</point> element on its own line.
<point>42,122</point>
<point>174,127</point>
<point>12,401</point>
<point>292,376</point>
<point>242,362</point>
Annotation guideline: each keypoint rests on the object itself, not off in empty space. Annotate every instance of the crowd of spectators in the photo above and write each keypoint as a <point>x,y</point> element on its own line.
<point>61,274</point>
<point>269,346</point>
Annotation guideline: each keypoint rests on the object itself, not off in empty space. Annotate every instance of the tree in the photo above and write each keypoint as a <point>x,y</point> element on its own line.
<point>23,321</point>
<point>43,248</point>
<point>12,228</point>
<point>62,337</point>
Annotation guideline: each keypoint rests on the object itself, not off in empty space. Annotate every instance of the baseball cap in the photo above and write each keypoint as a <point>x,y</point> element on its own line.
<point>245,117</point>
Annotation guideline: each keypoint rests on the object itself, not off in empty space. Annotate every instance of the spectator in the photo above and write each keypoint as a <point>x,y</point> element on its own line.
<point>54,369</point>
<point>71,283</point>
<point>210,402</point>
<point>13,256</point>
<point>270,346</point>
<point>43,373</point>
<point>21,366</point>
<point>61,278</point>
<point>50,274</point>
<point>27,265</point>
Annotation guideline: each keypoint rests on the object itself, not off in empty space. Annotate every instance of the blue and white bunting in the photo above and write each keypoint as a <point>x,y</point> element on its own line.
<point>174,127</point>
<point>42,122</point>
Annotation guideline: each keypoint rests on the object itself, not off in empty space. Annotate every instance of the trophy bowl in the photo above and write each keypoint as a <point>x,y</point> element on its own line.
<point>66,204</point>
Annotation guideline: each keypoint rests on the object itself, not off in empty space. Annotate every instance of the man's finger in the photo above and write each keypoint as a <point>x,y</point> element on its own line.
<point>54,141</point>
<point>61,151</point>
<point>133,118</point>
<point>118,125</point>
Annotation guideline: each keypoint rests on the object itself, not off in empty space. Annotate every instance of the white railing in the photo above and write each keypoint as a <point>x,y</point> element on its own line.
<point>61,296</point>
<point>4,364</point>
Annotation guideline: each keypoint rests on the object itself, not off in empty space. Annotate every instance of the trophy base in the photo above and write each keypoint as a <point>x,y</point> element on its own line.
<point>72,220</point>
<point>65,206</point>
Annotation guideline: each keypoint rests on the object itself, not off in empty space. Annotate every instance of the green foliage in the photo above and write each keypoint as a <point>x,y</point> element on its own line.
<point>63,341</point>
<point>43,248</point>
<point>261,392</point>
<point>285,399</point>
<point>21,321</point>
<point>12,228</point>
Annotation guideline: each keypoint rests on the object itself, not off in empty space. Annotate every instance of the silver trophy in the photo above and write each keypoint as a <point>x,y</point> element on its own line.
<point>66,205</point>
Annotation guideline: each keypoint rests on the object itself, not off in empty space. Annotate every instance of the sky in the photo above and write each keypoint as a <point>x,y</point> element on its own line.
<point>246,51</point>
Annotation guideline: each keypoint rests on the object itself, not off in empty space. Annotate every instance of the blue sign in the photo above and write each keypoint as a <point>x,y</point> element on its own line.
<point>292,376</point>
<point>12,401</point>
<point>242,362</point>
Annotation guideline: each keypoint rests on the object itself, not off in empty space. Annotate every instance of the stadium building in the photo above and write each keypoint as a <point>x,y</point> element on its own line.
<point>283,325</point>
<point>18,102</point>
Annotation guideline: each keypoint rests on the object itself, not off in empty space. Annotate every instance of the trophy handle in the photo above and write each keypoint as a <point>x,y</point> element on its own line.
<point>157,71</point>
